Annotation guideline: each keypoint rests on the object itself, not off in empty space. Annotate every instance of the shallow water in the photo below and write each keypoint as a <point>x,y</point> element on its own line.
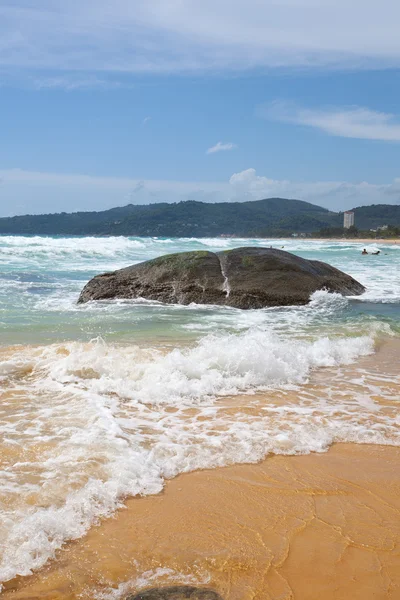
<point>107,400</point>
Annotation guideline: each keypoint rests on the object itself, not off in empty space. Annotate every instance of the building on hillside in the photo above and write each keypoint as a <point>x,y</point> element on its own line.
<point>348,220</point>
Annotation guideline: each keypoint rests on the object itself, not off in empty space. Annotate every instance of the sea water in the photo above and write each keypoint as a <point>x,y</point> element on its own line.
<point>107,400</point>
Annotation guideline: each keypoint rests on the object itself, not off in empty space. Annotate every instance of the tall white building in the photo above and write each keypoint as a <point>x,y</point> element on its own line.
<point>348,219</point>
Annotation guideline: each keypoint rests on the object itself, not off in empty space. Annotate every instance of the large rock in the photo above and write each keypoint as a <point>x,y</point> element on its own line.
<point>177,593</point>
<point>243,278</point>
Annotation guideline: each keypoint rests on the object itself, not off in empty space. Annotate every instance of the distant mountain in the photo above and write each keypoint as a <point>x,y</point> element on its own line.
<point>270,217</point>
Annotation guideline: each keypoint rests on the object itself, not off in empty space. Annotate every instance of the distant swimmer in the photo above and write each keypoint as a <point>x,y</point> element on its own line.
<point>378,252</point>
<point>364,251</point>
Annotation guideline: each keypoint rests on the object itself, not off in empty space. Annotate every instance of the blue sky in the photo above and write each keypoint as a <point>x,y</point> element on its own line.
<point>138,101</point>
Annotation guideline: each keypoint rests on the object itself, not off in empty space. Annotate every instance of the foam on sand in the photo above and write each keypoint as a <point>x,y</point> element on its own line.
<point>89,424</point>
<point>311,526</point>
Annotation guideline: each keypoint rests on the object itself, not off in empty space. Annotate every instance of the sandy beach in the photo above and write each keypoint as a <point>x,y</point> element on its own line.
<point>305,527</point>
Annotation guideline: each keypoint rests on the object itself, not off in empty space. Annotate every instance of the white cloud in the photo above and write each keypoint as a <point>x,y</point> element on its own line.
<point>350,122</point>
<point>35,192</point>
<point>221,147</point>
<point>144,36</point>
<point>146,120</point>
<point>336,195</point>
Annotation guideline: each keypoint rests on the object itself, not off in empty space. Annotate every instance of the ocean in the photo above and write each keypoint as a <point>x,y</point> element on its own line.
<point>108,400</point>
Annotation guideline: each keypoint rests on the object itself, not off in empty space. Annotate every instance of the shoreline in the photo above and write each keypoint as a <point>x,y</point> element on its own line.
<point>309,527</point>
<point>390,242</point>
<point>376,242</point>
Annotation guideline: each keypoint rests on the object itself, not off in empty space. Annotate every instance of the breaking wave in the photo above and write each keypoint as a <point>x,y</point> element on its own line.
<point>114,420</point>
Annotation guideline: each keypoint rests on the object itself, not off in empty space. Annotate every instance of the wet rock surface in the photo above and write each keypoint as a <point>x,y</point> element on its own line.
<point>241,278</point>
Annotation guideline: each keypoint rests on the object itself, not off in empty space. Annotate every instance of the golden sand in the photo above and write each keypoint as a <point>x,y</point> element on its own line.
<point>320,526</point>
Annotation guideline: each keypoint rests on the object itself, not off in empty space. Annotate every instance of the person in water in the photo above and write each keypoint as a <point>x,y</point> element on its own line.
<point>374,253</point>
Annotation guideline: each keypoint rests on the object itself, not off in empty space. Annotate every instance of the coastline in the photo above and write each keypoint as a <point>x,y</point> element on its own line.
<point>311,526</point>
<point>391,242</point>
<point>374,241</point>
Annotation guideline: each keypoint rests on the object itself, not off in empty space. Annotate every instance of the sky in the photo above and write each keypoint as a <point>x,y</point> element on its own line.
<point>138,101</point>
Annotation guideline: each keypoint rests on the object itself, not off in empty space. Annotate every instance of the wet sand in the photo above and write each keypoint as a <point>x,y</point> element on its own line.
<point>319,526</point>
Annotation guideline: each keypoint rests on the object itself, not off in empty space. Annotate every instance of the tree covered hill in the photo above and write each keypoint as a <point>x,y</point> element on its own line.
<point>377,215</point>
<point>261,217</point>
<point>269,217</point>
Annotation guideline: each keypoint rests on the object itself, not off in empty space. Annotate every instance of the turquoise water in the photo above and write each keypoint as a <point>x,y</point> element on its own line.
<point>41,278</point>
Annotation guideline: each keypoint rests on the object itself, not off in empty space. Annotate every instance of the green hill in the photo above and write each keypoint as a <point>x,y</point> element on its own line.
<point>261,217</point>
<point>376,215</point>
<point>269,217</point>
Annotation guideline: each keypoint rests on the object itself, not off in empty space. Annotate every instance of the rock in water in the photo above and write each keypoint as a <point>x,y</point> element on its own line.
<point>242,278</point>
<point>177,593</point>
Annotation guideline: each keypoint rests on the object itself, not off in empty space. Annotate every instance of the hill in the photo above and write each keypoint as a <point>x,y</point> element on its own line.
<point>269,217</point>
<point>376,215</point>
<point>272,216</point>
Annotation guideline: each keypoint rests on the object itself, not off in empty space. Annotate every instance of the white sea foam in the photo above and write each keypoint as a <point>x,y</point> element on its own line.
<point>215,242</point>
<point>118,420</point>
<point>63,245</point>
